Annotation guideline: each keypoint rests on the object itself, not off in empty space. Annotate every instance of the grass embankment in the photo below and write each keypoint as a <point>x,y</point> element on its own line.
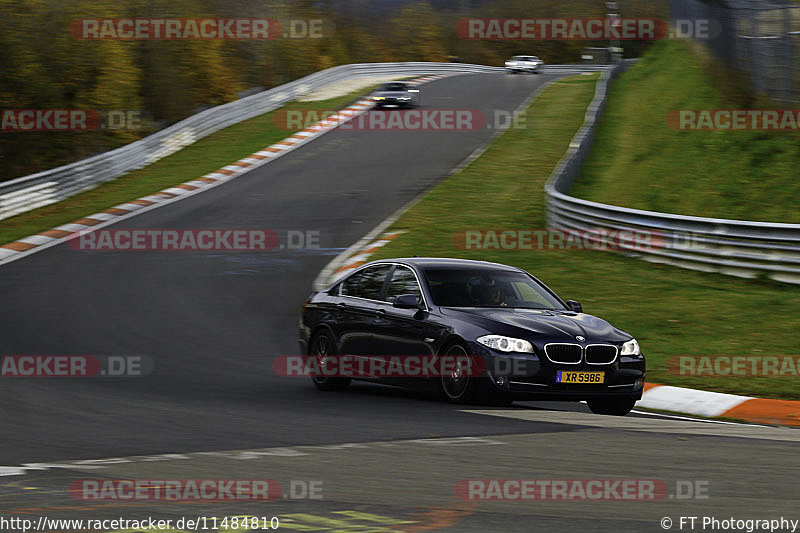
<point>206,155</point>
<point>671,311</point>
<point>639,162</point>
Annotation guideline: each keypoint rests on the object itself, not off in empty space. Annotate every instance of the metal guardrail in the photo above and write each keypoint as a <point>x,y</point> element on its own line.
<point>735,247</point>
<point>50,186</point>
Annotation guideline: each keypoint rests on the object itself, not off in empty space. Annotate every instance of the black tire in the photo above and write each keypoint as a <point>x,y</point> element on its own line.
<point>454,388</point>
<point>613,406</point>
<point>322,344</point>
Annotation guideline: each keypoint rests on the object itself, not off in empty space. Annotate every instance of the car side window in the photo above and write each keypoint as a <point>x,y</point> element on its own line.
<point>403,282</point>
<point>366,283</point>
<point>530,296</point>
<point>349,287</point>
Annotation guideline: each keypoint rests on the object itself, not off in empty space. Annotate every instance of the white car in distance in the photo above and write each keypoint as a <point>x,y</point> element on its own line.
<point>524,64</point>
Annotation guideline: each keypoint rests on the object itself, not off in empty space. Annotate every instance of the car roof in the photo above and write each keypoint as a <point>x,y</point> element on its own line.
<point>446,262</point>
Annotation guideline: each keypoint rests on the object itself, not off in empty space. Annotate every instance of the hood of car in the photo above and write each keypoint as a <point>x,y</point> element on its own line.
<point>548,326</point>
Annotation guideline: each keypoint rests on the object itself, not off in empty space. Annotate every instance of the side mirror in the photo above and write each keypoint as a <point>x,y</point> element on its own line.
<point>408,301</point>
<point>575,306</point>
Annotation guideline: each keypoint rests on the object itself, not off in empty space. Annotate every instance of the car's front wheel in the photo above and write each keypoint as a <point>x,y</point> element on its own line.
<point>323,346</point>
<point>457,386</point>
<point>615,406</point>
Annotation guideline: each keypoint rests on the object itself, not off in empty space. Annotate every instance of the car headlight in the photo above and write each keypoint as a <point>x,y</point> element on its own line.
<point>630,348</point>
<point>506,344</point>
<point>379,98</point>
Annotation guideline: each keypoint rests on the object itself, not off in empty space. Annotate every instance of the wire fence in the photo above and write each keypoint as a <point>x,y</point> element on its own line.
<point>760,38</point>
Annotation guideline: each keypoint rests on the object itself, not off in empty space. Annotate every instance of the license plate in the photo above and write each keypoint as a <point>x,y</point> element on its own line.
<point>571,376</point>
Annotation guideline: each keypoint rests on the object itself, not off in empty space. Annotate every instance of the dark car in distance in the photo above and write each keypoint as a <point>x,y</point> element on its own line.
<point>396,94</point>
<point>535,345</point>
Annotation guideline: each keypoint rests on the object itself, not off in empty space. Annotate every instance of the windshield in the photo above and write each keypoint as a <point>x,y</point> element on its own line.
<point>394,87</point>
<point>482,287</point>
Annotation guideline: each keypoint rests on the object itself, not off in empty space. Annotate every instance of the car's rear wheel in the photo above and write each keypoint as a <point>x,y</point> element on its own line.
<point>615,406</point>
<point>458,386</point>
<point>323,346</point>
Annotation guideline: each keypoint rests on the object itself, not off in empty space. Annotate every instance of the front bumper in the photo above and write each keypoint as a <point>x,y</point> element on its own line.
<point>385,103</point>
<point>529,376</point>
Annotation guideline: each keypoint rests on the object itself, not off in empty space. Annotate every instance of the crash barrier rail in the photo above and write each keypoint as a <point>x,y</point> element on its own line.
<point>50,186</point>
<point>736,247</point>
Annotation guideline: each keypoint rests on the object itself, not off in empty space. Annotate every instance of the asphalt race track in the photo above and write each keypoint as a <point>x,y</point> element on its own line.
<point>387,459</point>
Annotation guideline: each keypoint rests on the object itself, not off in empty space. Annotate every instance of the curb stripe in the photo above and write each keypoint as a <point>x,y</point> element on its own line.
<point>72,227</point>
<point>715,404</point>
<point>55,233</point>
<point>766,411</point>
<point>18,246</point>
<point>116,211</point>
<point>36,240</point>
<point>361,256</point>
<point>87,221</point>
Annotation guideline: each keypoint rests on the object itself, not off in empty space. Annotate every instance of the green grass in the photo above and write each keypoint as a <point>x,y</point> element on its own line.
<point>671,311</point>
<point>206,155</point>
<point>639,162</point>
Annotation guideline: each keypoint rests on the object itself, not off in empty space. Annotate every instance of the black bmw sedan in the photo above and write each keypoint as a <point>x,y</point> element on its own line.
<point>531,343</point>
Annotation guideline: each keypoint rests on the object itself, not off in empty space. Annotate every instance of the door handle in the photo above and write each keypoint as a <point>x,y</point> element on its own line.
<point>380,313</point>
